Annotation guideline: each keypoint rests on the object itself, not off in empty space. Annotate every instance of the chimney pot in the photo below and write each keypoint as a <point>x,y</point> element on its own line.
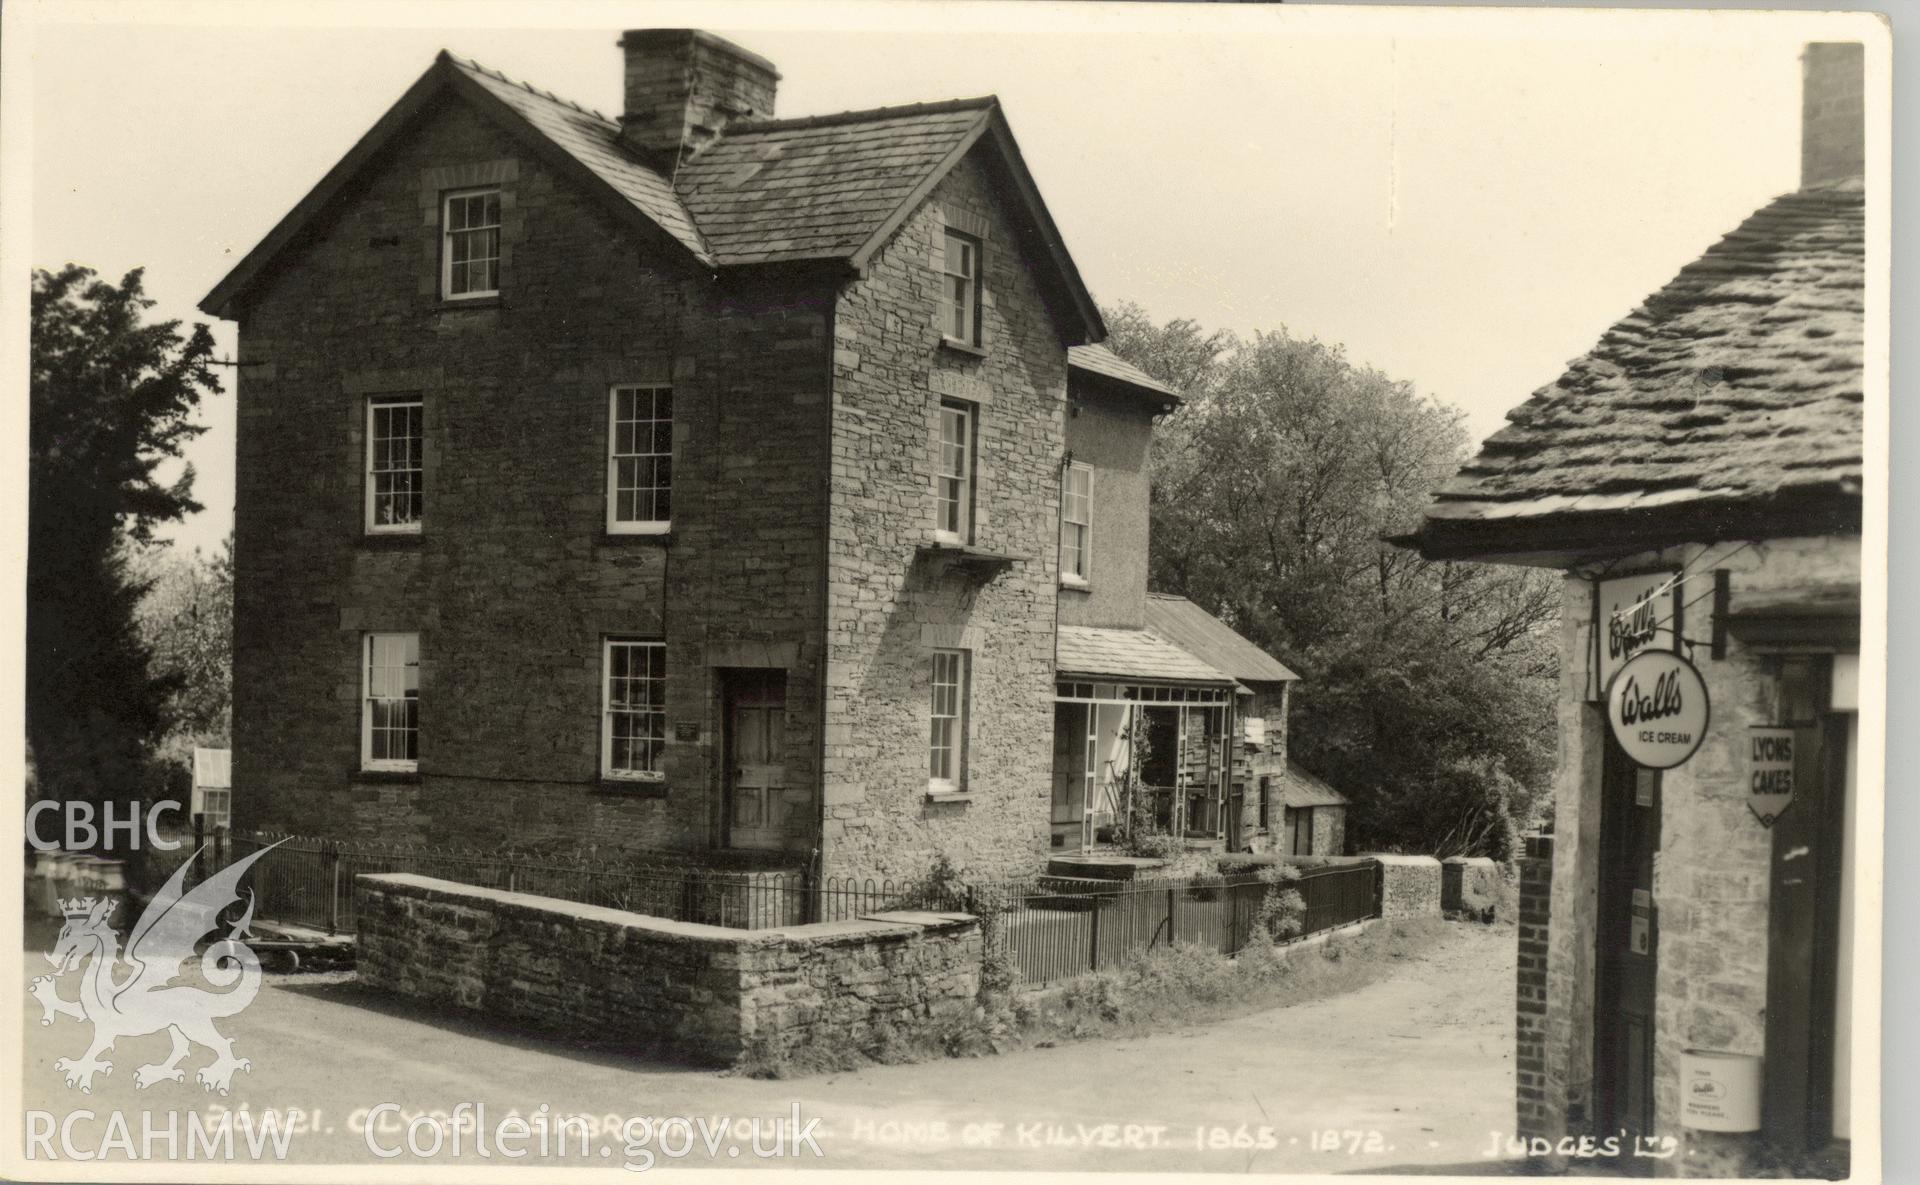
<point>1833,137</point>
<point>683,86</point>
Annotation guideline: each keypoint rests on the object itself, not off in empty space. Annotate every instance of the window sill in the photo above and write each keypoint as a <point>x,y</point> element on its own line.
<point>955,796</point>
<point>629,788</point>
<point>401,776</point>
<point>1076,584</point>
<point>960,347</point>
<point>400,539</point>
<point>452,304</point>
<point>661,534</point>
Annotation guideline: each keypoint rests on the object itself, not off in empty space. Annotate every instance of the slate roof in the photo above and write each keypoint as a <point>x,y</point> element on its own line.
<point>1301,789</point>
<point>1740,382</point>
<point>1099,360</point>
<point>593,140</point>
<point>1212,641</point>
<point>1128,654</point>
<point>823,188</point>
<point>775,191</point>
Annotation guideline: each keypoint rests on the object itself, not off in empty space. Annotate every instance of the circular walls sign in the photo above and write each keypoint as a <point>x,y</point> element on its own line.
<point>1657,707</point>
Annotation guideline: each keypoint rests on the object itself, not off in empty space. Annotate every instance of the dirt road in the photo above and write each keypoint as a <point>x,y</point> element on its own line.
<point>1413,1071</point>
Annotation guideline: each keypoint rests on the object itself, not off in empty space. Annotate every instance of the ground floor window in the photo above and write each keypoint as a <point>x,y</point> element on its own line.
<point>390,702</point>
<point>633,695</point>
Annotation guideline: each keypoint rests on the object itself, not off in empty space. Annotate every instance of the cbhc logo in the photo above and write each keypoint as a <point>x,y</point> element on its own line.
<point>83,833</point>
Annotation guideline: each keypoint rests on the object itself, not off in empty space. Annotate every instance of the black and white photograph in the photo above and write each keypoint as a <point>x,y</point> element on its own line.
<point>963,587</point>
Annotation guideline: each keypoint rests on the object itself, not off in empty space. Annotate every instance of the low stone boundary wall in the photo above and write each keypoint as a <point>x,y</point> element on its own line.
<point>704,992</point>
<point>1409,885</point>
<point>1469,885</point>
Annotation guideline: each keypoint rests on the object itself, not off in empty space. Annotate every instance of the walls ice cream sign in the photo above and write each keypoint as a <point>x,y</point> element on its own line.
<point>1657,708</point>
<point>1633,614</point>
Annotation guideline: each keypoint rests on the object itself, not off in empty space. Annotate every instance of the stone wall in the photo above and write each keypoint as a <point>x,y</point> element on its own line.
<point>701,992</point>
<point>887,610</point>
<point>1410,885</point>
<point>514,581</point>
<point>1330,830</point>
<point>1470,885</point>
<point>1712,872</point>
<point>1530,989</point>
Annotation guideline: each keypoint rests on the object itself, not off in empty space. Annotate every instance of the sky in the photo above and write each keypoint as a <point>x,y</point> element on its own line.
<point>1464,199</point>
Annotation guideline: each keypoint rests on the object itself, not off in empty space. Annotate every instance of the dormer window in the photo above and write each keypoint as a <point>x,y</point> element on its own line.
<point>960,293</point>
<point>470,244</point>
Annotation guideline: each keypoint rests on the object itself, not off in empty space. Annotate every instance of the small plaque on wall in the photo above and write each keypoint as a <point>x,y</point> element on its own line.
<point>687,732</point>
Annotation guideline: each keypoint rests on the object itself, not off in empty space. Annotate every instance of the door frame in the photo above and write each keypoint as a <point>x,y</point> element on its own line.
<point>733,682</point>
<point>1617,877</point>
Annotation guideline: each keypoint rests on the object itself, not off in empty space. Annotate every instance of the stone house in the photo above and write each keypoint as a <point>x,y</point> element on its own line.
<point>701,480</point>
<point>1686,961</point>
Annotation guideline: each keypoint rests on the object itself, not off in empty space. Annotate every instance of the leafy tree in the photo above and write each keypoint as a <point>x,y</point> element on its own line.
<point>112,402</point>
<point>1428,687</point>
<point>187,621</point>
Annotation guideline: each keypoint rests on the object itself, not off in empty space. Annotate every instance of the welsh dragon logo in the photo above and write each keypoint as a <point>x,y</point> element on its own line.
<point>137,996</point>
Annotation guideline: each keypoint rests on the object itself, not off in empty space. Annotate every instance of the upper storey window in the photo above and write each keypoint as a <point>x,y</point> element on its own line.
<point>1076,524</point>
<point>640,460</point>
<point>470,244</point>
<point>960,293</point>
<point>396,465</point>
<point>954,487</point>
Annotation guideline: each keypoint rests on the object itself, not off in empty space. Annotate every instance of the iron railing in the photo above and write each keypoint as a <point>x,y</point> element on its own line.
<point>1049,935</point>
<point>309,882</point>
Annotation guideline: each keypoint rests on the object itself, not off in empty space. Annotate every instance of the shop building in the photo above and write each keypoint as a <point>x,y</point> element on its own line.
<point>1687,957</point>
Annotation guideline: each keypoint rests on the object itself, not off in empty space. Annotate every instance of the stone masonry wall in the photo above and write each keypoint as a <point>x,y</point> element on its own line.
<point>887,611</point>
<point>514,582</point>
<point>1410,885</point>
<point>1530,989</point>
<point>701,992</point>
<point>1711,875</point>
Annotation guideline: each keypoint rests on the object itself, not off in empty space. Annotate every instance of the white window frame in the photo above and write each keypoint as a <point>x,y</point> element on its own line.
<point>949,777</point>
<point>959,479</point>
<point>608,710</point>
<point>375,406</point>
<point>447,233</point>
<point>368,649</point>
<point>1083,525</point>
<point>637,526</point>
<point>967,302</point>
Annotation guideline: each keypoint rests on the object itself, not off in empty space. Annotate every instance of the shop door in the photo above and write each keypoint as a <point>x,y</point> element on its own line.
<point>756,771</point>
<point>1628,950</point>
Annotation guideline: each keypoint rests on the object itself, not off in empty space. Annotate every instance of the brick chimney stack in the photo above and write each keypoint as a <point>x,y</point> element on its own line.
<point>684,86</point>
<point>1833,137</point>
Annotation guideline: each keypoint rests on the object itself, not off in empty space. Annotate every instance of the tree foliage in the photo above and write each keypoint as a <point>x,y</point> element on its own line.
<point>1427,687</point>
<point>112,403</point>
<point>187,621</point>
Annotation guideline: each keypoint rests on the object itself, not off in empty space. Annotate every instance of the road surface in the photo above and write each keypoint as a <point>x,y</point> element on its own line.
<point>1413,1072</point>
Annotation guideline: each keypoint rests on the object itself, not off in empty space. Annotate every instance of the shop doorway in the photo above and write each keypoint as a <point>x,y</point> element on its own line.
<point>1628,950</point>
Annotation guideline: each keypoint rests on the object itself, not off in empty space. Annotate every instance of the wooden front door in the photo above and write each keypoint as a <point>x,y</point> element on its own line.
<point>757,800</point>
<point>1628,941</point>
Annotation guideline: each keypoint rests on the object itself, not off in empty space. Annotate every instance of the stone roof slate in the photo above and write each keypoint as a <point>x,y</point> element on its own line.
<point>1128,654</point>
<point>1740,380</point>
<point>1301,789</point>
<point>1212,641</point>
<point>1098,359</point>
<point>776,191</point>
<point>593,140</point>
